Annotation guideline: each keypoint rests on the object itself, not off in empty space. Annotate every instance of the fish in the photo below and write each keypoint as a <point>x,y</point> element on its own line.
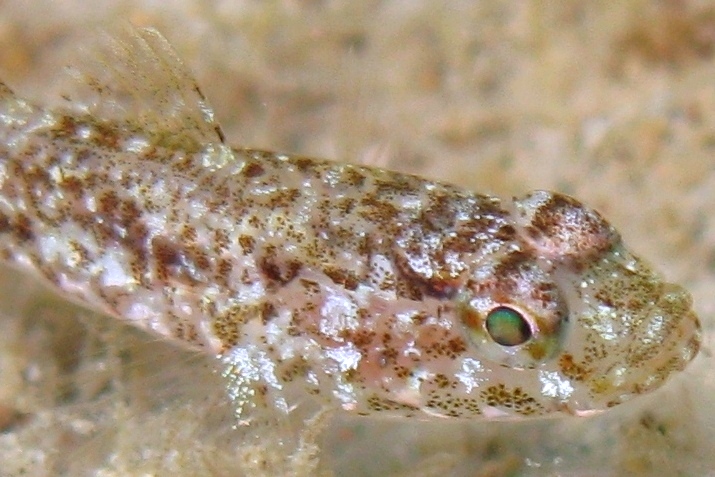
<point>368,291</point>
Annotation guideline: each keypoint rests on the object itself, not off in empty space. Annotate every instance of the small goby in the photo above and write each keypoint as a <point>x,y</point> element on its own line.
<point>372,291</point>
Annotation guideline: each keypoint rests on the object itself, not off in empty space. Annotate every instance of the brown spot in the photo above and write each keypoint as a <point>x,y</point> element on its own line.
<point>66,127</point>
<point>345,205</point>
<point>471,318</point>
<point>50,274</point>
<point>227,326</point>
<point>339,276</point>
<point>299,367</point>
<point>456,346</point>
<point>409,290</point>
<point>394,183</point>
<point>303,163</point>
<point>463,240</point>
<point>538,351</point>
<point>225,267</point>
<point>375,209</point>
<point>188,332</point>
<point>165,252</point>
<point>420,318</point>
<point>253,169</point>
<point>267,312</point>
<point>310,286</point>
<point>129,211</point>
<point>108,203</point>
<point>23,228</point>
<point>353,177</point>
<point>189,234</point>
<point>505,233</point>
<point>281,272</point>
<point>136,236</point>
<point>571,369</point>
<point>106,136</point>
<point>200,258</point>
<point>510,270</point>
<point>361,338</point>
<point>441,380</point>
<point>388,357</point>
<point>72,186</point>
<point>440,214</point>
<point>402,371</point>
<point>254,221</point>
<point>515,399</point>
<point>247,243</point>
<point>4,223</point>
<point>221,240</point>
<point>351,375</point>
<point>283,198</point>
<point>166,255</point>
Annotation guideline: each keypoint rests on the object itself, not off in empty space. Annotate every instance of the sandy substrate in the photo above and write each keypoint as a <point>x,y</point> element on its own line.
<point>614,105</point>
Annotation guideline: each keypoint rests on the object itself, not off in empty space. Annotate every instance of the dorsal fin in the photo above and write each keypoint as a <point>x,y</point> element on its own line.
<point>133,75</point>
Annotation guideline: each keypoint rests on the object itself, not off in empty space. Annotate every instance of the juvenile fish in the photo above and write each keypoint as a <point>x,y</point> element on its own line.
<point>369,290</point>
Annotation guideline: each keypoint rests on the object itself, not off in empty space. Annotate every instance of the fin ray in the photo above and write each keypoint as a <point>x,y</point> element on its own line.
<point>134,75</point>
<point>5,92</point>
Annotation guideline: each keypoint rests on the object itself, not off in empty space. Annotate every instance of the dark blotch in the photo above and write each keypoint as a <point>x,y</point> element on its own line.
<point>253,169</point>
<point>279,272</point>
<point>342,277</point>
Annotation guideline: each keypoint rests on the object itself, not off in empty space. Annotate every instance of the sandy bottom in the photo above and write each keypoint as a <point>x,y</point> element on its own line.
<point>615,106</point>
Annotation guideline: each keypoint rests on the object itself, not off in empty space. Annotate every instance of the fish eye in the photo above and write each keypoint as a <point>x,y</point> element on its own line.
<point>507,326</point>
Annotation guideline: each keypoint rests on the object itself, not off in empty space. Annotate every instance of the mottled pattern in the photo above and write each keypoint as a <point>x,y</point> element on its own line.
<point>364,288</point>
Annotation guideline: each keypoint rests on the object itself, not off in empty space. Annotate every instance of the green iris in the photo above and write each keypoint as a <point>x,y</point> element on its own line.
<point>507,326</point>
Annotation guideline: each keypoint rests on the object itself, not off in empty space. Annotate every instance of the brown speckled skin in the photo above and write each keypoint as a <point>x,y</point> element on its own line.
<point>365,288</point>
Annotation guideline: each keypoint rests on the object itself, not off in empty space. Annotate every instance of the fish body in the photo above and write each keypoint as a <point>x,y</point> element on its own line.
<point>371,291</point>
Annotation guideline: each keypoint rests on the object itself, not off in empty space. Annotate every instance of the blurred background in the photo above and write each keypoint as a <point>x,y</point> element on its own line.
<point>612,102</point>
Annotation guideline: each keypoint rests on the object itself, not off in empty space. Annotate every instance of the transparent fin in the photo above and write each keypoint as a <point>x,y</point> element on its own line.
<point>134,76</point>
<point>6,93</point>
<point>13,110</point>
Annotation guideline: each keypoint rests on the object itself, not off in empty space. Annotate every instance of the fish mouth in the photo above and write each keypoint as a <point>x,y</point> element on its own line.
<point>630,330</point>
<point>665,342</point>
<point>673,318</point>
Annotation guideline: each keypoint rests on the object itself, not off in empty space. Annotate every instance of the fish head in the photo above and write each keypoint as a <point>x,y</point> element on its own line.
<point>570,318</point>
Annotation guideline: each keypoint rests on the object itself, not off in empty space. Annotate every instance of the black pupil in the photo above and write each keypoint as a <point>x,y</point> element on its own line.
<point>507,326</point>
